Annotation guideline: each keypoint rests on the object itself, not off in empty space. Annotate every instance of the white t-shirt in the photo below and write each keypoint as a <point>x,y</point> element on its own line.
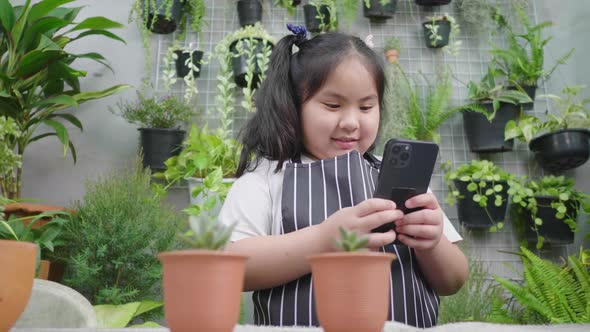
<point>254,204</point>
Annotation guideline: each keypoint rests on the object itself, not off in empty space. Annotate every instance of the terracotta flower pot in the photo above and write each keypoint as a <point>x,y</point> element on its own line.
<point>392,56</point>
<point>17,263</point>
<point>352,290</point>
<point>202,289</point>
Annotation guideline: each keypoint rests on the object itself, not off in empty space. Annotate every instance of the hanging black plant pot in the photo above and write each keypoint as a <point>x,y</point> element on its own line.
<point>240,63</point>
<point>432,2</point>
<point>158,145</point>
<point>379,13</point>
<point>312,22</point>
<point>162,24</point>
<point>444,30</point>
<point>182,67</point>
<point>486,136</point>
<point>249,12</point>
<point>472,215</point>
<point>555,231</point>
<point>561,150</point>
<point>531,91</point>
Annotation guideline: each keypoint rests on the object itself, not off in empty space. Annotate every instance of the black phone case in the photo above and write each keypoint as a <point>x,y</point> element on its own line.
<point>401,179</point>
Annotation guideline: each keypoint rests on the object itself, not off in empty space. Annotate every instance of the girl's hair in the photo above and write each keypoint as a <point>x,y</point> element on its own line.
<point>274,132</point>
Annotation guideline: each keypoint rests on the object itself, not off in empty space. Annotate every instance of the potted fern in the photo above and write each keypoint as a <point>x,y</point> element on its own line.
<point>379,10</point>
<point>480,189</point>
<point>492,107</point>
<point>546,210</point>
<point>321,15</point>
<point>560,142</point>
<point>203,285</point>
<point>523,60</point>
<point>335,274</point>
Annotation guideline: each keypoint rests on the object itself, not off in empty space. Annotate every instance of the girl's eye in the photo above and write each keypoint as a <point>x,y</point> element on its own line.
<point>332,106</point>
<point>366,108</point>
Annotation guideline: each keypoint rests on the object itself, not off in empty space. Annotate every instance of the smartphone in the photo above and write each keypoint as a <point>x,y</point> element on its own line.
<point>405,172</point>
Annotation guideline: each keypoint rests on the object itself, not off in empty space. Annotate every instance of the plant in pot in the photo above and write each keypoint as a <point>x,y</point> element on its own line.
<point>492,107</point>
<point>523,59</point>
<point>289,5</point>
<point>321,16</point>
<point>426,114</point>
<point>392,48</point>
<point>158,16</point>
<point>18,261</point>
<point>441,32</point>
<point>39,81</point>
<point>546,210</point>
<point>119,227</point>
<point>379,10</point>
<point>355,267</point>
<point>561,141</point>
<point>160,121</point>
<point>203,285</point>
<point>249,12</point>
<point>549,294</point>
<point>480,189</point>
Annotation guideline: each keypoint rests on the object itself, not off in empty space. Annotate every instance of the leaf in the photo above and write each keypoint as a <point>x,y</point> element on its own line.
<point>538,221</point>
<point>35,61</point>
<point>99,32</point>
<point>65,100</point>
<point>61,131</point>
<point>498,188</point>
<point>97,22</point>
<point>6,15</point>
<point>472,187</point>
<point>115,316</point>
<point>146,306</point>
<point>90,95</point>
<point>45,7</point>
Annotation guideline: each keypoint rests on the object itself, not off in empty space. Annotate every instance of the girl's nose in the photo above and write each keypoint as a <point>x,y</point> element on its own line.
<point>349,120</point>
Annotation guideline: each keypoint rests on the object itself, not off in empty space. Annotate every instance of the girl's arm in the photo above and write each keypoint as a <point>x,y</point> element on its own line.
<point>278,259</point>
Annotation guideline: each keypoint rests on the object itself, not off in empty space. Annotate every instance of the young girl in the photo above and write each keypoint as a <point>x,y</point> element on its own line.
<point>317,116</point>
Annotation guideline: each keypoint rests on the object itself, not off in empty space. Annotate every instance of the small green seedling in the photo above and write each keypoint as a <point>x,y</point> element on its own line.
<point>351,241</point>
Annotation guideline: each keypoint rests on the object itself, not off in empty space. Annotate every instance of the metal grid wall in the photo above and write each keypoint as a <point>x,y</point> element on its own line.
<point>469,64</point>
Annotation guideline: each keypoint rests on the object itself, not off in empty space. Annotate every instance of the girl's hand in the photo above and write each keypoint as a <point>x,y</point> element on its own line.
<point>362,218</point>
<point>422,229</point>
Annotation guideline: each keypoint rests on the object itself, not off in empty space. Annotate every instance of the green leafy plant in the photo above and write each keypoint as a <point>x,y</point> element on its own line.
<point>169,72</point>
<point>426,114</point>
<point>488,90</point>
<point>287,4</point>
<point>38,81</point>
<point>351,241</point>
<point>454,45</point>
<point>332,7</point>
<point>394,120</point>
<point>113,316</point>
<point>523,60</point>
<point>549,293</point>
<point>572,114</point>
<point>207,233</point>
<point>9,161</point>
<point>114,235</point>
<point>485,180</point>
<point>167,112</point>
<point>392,43</point>
<point>568,201</point>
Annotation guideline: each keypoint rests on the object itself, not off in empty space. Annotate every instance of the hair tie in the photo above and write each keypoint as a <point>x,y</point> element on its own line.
<point>299,31</point>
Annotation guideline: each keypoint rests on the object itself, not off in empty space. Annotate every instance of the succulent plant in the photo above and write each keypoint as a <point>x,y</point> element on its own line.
<point>351,241</point>
<point>207,233</point>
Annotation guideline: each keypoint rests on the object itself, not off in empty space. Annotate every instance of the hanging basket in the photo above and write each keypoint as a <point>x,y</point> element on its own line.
<point>474,216</point>
<point>444,31</point>
<point>531,91</point>
<point>162,23</point>
<point>182,68</point>
<point>555,231</point>
<point>486,136</point>
<point>249,12</point>
<point>240,63</point>
<point>432,2</point>
<point>561,150</point>
<point>379,13</point>
<point>158,145</point>
<point>312,22</point>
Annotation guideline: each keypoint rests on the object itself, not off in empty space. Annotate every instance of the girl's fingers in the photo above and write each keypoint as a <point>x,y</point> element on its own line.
<point>377,240</point>
<point>427,201</point>
<point>418,244</point>
<point>428,232</point>
<point>425,216</point>
<point>373,205</point>
<point>377,219</point>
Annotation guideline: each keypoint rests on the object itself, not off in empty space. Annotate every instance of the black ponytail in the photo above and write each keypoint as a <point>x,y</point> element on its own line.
<point>274,131</point>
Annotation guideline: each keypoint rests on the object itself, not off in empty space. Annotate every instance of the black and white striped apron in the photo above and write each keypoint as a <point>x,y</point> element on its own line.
<point>311,193</point>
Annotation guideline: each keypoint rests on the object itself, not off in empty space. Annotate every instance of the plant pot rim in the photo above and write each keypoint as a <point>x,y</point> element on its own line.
<point>181,50</point>
<point>201,253</point>
<point>570,130</point>
<point>162,129</point>
<point>442,20</point>
<point>19,243</point>
<point>487,181</point>
<point>348,255</point>
<point>30,208</point>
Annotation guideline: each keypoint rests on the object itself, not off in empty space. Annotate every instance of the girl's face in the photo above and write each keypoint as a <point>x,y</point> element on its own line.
<point>344,114</point>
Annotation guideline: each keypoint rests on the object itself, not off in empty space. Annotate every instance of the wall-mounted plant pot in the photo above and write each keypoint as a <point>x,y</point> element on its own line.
<point>296,2</point>
<point>378,12</point>
<point>182,68</point>
<point>444,30</point>
<point>531,91</point>
<point>312,22</point>
<point>240,63</point>
<point>561,150</point>
<point>472,215</point>
<point>432,2</point>
<point>163,24</point>
<point>555,231</point>
<point>158,145</point>
<point>486,136</point>
<point>249,12</point>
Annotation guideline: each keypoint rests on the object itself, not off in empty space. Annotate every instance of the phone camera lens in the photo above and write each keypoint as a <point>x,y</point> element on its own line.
<point>405,156</point>
<point>396,149</point>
